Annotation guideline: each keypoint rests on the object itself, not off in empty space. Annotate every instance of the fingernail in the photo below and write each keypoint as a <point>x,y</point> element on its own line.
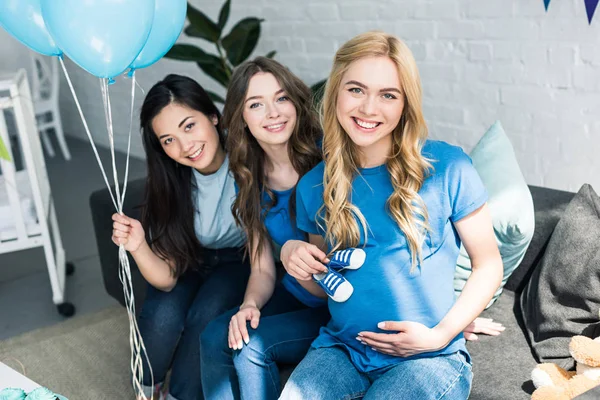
<point>381,325</point>
<point>246,340</point>
<point>359,339</point>
<point>240,344</point>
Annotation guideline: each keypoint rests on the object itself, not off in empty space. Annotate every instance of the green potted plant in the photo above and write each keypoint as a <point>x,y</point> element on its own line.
<point>232,48</point>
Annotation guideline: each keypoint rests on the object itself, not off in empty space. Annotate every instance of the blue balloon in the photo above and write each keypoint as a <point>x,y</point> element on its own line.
<point>101,36</point>
<point>169,17</point>
<point>23,20</point>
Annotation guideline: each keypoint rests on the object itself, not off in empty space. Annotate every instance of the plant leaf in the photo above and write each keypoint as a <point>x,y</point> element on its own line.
<point>271,54</point>
<point>201,26</point>
<point>215,71</point>
<point>242,40</point>
<point>318,86</point>
<point>318,89</point>
<point>209,63</point>
<point>224,15</point>
<point>4,151</point>
<point>215,97</point>
<point>188,52</point>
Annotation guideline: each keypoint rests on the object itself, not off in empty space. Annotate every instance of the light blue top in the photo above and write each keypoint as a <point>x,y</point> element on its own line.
<point>282,228</point>
<point>384,287</point>
<point>213,221</point>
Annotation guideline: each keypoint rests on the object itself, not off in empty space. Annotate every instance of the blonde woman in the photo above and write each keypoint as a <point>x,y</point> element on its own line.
<point>409,202</point>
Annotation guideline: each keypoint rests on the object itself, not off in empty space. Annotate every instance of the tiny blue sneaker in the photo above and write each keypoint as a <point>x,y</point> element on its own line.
<point>351,258</point>
<point>335,285</point>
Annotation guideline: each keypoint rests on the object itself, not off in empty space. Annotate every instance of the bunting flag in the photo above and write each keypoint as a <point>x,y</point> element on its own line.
<point>590,8</point>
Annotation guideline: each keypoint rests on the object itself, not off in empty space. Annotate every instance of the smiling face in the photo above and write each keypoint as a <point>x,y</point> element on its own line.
<point>369,106</point>
<point>189,137</point>
<point>268,112</point>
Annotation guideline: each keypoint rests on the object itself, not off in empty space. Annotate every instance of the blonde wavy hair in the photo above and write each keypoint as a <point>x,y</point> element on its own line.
<point>407,167</point>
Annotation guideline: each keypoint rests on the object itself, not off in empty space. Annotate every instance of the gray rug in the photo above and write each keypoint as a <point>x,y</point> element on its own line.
<point>84,358</point>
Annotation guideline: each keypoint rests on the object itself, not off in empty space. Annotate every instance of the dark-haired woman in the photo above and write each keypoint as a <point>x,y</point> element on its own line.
<point>194,259</point>
<point>273,139</point>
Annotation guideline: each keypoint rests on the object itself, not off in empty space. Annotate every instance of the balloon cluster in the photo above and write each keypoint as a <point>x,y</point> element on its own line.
<point>104,37</point>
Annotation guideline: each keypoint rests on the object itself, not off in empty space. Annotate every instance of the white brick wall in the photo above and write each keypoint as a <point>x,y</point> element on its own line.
<point>537,72</point>
<point>13,55</point>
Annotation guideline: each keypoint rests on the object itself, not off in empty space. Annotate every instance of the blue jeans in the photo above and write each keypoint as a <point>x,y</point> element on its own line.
<point>286,329</point>
<point>327,373</point>
<point>170,322</point>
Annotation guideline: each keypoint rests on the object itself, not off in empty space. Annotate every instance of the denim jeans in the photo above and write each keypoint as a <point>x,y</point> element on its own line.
<point>285,331</point>
<point>327,373</point>
<point>170,322</point>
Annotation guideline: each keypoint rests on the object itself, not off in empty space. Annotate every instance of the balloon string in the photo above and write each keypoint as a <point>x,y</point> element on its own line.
<point>87,130</point>
<point>111,139</point>
<point>135,339</point>
<point>133,83</point>
<point>136,342</point>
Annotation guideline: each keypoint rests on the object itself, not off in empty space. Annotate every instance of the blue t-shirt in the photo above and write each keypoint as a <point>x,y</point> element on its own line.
<point>281,228</point>
<point>384,287</point>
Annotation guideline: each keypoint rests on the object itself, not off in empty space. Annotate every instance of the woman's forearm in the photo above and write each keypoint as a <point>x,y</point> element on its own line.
<point>313,288</point>
<point>478,291</point>
<point>262,278</point>
<point>260,288</point>
<point>477,236</point>
<point>154,269</point>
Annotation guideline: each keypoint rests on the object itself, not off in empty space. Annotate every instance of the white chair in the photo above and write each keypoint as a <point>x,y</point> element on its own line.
<point>25,196</point>
<point>45,87</point>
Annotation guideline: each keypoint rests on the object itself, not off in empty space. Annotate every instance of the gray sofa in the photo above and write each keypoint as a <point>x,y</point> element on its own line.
<point>502,365</point>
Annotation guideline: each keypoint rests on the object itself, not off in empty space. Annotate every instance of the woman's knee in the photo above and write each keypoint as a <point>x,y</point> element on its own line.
<point>213,339</point>
<point>214,298</point>
<point>325,373</point>
<point>164,315</point>
<point>256,351</point>
<point>291,392</point>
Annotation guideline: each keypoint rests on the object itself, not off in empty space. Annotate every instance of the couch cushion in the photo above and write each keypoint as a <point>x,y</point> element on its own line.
<point>550,204</point>
<point>562,297</point>
<point>502,364</point>
<point>510,203</point>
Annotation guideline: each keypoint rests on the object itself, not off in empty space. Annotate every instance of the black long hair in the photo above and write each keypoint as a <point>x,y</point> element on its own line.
<point>168,208</point>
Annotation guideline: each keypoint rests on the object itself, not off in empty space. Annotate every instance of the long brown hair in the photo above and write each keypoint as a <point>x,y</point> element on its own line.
<point>246,157</point>
<point>168,210</point>
<point>408,168</point>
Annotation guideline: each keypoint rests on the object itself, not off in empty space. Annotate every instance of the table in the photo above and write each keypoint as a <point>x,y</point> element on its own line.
<point>11,378</point>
